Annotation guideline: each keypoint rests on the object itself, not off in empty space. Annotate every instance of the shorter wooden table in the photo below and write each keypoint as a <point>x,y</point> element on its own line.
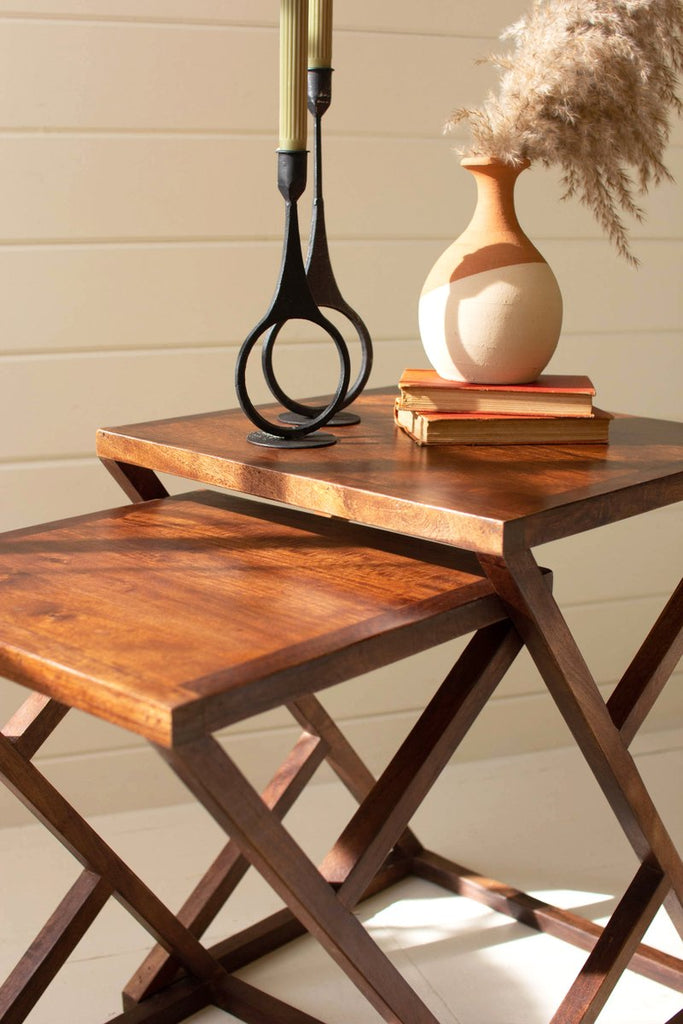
<point>498,502</point>
<point>176,617</point>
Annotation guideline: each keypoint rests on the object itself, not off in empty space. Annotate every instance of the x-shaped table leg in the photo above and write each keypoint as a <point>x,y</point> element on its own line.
<point>104,874</point>
<point>597,729</point>
<point>230,799</point>
<point>254,822</point>
<point>321,740</point>
<point>377,827</point>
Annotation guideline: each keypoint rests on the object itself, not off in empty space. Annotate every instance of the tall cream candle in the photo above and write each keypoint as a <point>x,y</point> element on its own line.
<point>293,78</point>
<point>320,34</point>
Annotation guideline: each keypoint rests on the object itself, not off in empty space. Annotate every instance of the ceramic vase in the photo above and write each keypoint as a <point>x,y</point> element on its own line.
<point>490,311</point>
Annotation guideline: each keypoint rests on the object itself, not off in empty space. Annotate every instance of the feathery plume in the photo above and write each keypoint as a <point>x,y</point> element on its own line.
<point>588,85</point>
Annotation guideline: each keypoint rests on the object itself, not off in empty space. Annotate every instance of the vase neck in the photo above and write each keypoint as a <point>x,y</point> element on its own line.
<point>494,212</point>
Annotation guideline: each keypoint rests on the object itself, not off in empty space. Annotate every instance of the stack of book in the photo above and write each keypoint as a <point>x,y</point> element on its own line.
<point>555,409</point>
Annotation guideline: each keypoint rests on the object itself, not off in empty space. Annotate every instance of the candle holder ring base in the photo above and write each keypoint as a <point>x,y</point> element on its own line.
<point>304,434</point>
<point>340,419</point>
<point>318,439</point>
<point>326,295</point>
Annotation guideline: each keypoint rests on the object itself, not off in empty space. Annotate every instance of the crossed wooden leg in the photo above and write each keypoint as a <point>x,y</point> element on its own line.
<point>322,899</point>
<point>375,848</point>
<point>320,902</point>
<point>104,875</point>
<point>603,733</point>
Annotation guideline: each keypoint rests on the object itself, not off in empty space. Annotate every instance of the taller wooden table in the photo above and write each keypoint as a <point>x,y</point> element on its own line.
<point>498,502</point>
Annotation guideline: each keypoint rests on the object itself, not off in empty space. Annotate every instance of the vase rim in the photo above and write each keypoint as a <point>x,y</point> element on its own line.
<point>494,161</point>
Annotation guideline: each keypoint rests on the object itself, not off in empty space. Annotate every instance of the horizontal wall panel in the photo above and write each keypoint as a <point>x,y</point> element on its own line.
<point>409,684</point>
<point>533,722</point>
<point>608,634</point>
<point>209,10</point>
<point>56,299</point>
<point>637,372</point>
<point>109,187</point>
<point>74,188</point>
<point>415,188</point>
<point>631,557</point>
<point>40,492</point>
<point>602,293</point>
<point>113,187</point>
<point>83,393</point>
<point>131,297</point>
<point>77,394</point>
<point>78,733</point>
<point>428,17</point>
<point>111,76</point>
<point>86,187</point>
<point>416,65</point>
<point>432,16</point>
<point>81,733</point>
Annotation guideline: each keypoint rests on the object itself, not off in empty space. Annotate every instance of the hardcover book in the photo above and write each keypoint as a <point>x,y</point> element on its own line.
<point>497,428</point>
<point>551,395</point>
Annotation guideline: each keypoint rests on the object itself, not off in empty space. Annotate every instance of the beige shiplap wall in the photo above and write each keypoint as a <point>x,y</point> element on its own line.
<point>139,243</point>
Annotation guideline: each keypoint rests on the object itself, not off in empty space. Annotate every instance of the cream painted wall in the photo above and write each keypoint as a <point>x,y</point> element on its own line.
<point>139,243</point>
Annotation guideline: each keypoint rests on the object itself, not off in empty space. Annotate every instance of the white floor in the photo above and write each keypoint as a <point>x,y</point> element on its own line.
<point>537,821</point>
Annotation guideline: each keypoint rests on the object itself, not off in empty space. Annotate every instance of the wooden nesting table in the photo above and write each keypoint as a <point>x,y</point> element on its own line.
<point>176,616</point>
<point>498,502</point>
<point>408,547</point>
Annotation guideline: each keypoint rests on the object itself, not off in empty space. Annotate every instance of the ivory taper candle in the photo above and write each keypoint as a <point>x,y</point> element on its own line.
<point>320,34</point>
<point>293,78</point>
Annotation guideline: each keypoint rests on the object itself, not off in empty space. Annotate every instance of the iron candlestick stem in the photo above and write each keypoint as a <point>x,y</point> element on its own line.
<point>292,301</point>
<point>319,273</point>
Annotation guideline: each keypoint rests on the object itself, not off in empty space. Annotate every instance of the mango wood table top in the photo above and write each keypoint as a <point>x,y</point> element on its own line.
<point>489,499</point>
<point>174,618</point>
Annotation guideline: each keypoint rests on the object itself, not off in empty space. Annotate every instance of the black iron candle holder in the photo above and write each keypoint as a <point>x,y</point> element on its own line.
<point>321,280</point>
<point>293,301</point>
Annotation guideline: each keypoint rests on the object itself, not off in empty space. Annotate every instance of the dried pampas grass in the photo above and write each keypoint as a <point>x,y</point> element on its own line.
<point>588,85</point>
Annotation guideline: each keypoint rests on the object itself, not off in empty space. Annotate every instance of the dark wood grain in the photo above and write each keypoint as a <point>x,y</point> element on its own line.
<point>254,1006</point>
<point>136,483</point>
<point>227,870</point>
<point>175,617</point>
<point>645,678</point>
<point>33,723</point>
<point>219,786</point>
<point>187,996</point>
<point>483,498</point>
<point>76,835</point>
<point>568,678</point>
<point>51,948</point>
<point>541,916</point>
<point>614,949</point>
<point>409,776</point>
<point>178,1002</point>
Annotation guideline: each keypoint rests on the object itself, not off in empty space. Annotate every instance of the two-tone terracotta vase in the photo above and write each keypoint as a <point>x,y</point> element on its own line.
<point>490,311</point>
